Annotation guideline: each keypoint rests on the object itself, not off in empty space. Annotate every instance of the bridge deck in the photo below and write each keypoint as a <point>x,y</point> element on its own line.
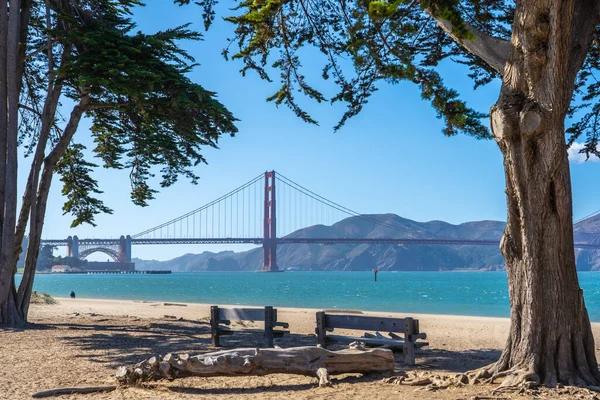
<point>325,241</point>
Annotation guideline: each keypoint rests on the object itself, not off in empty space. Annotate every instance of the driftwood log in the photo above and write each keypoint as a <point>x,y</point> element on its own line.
<point>308,361</point>
<point>73,390</point>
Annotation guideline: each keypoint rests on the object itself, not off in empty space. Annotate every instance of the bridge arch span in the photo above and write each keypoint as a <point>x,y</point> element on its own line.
<point>112,253</point>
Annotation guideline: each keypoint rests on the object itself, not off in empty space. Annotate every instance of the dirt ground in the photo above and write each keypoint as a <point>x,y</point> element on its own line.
<point>82,342</point>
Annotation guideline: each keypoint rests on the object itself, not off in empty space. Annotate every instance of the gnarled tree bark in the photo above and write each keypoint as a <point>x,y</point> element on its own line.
<point>10,315</point>
<point>9,35</point>
<point>550,337</point>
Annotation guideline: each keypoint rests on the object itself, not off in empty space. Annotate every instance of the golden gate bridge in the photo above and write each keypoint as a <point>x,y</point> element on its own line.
<point>268,210</point>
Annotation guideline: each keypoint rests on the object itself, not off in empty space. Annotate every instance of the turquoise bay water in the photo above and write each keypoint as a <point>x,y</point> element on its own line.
<point>458,293</point>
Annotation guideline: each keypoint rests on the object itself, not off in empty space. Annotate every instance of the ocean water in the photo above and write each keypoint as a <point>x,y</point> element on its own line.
<point>454,293</point>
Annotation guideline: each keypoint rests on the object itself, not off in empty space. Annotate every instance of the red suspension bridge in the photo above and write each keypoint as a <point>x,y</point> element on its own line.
<point>256,213</point>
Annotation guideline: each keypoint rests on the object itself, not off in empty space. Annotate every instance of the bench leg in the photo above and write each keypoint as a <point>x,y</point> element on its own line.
<point>409,341</point>
<point>409,352</point>
<point>214,325</point>
<point>321,333</point>
<point>269,327</point>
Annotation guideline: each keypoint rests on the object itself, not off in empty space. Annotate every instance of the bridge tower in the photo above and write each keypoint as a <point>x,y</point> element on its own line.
<point>270,225</point>
<point>125,248</point>
<point>73,246</point>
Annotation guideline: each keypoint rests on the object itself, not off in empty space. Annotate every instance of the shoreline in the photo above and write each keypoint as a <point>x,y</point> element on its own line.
<point>317,271</point>
<point>283,308</point>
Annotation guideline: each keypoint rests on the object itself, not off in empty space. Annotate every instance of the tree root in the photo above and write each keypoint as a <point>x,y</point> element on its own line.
<point>514,380</point>
<point>428,382</point>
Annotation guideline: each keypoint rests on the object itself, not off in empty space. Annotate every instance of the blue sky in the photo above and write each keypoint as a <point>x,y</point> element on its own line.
<point>391,158</point>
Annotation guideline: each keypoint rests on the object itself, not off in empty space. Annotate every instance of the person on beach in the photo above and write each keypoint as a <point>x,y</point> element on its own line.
<point>72,294</point>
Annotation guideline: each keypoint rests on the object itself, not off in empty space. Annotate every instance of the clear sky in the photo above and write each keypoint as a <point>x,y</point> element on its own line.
<point>392,158</point>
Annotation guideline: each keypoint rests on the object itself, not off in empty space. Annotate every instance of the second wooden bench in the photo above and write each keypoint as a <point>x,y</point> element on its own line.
<point>408,327</point>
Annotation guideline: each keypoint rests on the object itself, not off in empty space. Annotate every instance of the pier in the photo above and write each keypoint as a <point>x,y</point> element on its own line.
<point>160,272</point>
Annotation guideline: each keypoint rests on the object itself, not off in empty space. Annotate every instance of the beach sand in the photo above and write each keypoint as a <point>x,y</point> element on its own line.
<point>81,342</point>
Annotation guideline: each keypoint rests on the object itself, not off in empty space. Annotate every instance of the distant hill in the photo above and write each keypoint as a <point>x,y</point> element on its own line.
<point>384,257</point>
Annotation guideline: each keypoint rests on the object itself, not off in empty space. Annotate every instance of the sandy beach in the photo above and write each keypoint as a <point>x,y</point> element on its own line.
<point>80,342</point>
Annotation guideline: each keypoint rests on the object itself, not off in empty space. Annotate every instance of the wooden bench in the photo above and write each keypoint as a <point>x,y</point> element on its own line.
<point>408,327</point>
<point>225,316</point>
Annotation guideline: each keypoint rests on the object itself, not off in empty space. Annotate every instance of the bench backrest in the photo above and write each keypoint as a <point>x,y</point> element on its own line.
<point>245,314</point>
<point>368,323</point>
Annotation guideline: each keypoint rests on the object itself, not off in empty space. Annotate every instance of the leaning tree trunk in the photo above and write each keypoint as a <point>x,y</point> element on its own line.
<point>550,335</point>
<point>38,208</point>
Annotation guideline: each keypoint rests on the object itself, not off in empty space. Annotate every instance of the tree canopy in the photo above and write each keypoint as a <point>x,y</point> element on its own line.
<point>145,111</point>
<point>395,41</point>
<point>146,115</point>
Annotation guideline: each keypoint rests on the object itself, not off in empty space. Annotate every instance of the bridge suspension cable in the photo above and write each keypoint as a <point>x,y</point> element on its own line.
<point>215,219</point>
<point>335,206</point>
<point>240,213</point>
<point>597,212</point>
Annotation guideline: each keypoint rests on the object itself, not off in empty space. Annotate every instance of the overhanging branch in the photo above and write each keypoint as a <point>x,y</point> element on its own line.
<point>492,50</point>
<point>30,109</point>
<point>95,106</point>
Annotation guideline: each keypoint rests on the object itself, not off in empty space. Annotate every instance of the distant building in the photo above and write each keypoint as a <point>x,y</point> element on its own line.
<point>61,268</point>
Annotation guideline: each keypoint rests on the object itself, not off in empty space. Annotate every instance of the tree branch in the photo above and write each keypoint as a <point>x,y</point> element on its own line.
<point>69,131</point>
<point>95,106</point>
<point>30,109</point>
<point>492,50</point>
<point>585,20</point>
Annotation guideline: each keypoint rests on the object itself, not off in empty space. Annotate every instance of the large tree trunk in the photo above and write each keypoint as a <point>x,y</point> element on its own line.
<point>8,312</point>
<point>550,337</point>
<point>3,106</point>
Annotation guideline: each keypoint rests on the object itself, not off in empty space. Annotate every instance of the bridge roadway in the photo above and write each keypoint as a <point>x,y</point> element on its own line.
<point>293,240</point>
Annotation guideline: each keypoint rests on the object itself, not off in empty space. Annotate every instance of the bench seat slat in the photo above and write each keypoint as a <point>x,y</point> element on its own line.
<point>242,314</point>
<point>372,341</point>
<point>366,340</point>
<point>228,331</point>
<point>366,323</point>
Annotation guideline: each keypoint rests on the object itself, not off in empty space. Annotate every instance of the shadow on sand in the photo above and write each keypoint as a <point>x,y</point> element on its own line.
<point>114,343</point>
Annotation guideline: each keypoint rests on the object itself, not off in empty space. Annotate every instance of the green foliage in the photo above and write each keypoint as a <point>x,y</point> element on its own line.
<point>79,187</point>
<point>390,40</point>
<point>585,109</point>
<point>384,9</point>
<point>449,10</point>
<point>208,12</point>
<point>47,259</point>
<point>147,116</point>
